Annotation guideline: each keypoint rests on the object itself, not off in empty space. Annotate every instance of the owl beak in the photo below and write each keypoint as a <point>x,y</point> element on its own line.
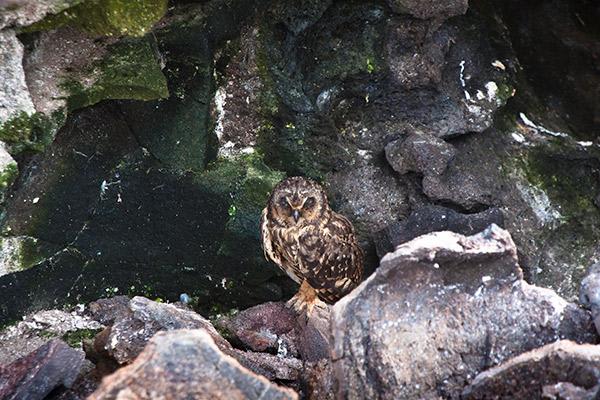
<point>296,215</point>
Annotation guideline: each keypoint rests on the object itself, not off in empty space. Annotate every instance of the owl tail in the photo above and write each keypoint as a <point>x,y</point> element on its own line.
<point>305,300</point>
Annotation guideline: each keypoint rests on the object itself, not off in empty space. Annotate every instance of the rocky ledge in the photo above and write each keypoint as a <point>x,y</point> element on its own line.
<point>444,316</point>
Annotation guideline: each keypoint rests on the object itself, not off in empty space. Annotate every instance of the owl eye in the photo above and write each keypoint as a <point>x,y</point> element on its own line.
<point>310,202</point>
<point>283,202</point>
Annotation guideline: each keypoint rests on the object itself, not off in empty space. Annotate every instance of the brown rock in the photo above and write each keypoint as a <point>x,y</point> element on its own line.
<point>107,311</point>
<point>559,370</point>
<point>34,376</point>
<point>438,311</point>
<point>265,327</point>
<point>187,364</point>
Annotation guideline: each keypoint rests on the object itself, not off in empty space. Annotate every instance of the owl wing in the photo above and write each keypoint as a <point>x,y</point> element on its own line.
<point>330,258</point>
<point>267,242</point>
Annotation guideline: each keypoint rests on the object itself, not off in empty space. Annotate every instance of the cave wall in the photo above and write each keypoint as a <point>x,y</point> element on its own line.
<point>140,150</point>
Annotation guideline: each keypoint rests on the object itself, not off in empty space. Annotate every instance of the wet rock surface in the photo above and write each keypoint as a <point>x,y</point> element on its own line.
<point>448,306</point>
<point>561,370</point>
<point>187,364</point>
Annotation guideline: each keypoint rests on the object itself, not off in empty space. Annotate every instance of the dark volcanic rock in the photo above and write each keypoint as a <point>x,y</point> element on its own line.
<point>429,219</point>
<point>438,311</point>
<point>187,364</point>
<point>430,8</point>
<point>419,152</point>
<point>129,334</point>
<point>561,370</point>
<point>589,295</point>
<point>34,376</point>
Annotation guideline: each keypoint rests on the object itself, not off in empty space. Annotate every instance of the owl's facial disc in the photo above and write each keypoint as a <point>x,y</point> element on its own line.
<point>297,202</point>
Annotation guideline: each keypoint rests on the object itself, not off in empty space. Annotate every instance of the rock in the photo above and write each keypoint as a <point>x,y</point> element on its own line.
<point>61,55</point>
<point>187,364</point>
<point>561,370</point>
<point>273,367</point>
<point>35,330</point>
<point>19,13</point>
<point>429,9</point>
<point>268,327</point>
<point>129,334</point>
<point>19,253</point>
<point>589,295</point>
<point>33,377</point>
<point>429,219</point>
<point>439,310</point>
<point>374,204</point>
<point>422,153</point>
<point>107,18</point>
<point>108,311</point>
<point>15,100</point>
<point>568,391</point>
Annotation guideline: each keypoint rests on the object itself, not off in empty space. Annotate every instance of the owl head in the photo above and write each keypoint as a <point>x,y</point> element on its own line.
<point>297,201</point>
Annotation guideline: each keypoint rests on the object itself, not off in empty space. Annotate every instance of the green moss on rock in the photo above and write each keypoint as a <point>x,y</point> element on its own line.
<point>32,133</point>
<point>129,71</point>
<point>249,182</point>
<point>76,338</point>
<point>108,17</point>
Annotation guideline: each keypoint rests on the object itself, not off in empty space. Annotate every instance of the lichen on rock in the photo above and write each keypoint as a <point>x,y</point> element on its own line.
<point>107,17</point>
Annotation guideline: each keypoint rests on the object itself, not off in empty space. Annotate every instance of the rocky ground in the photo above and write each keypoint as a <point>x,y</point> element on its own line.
<point>140,139</point>
<point>444,316</point>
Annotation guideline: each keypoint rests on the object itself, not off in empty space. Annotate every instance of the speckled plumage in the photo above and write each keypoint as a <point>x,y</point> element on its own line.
<point>318,248</point>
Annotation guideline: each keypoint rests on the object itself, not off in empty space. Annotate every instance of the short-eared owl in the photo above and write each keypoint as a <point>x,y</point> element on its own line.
<point>313,244</point>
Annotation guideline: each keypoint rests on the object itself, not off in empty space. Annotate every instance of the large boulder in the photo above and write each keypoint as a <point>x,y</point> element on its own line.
<point>187,364</point>
<point>439,310</point>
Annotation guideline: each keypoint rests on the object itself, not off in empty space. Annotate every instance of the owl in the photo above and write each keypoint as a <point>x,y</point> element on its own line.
<point>314,245</point>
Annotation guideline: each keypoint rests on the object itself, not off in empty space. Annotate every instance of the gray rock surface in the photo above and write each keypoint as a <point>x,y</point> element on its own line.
<point>129,334</point>
<point>15,98</point>
<point>35,330</point>
<point>438,311</point>
<point>419,152</point>
<point>561,370</point>
<point>429,219</point>
<point>187,364</point>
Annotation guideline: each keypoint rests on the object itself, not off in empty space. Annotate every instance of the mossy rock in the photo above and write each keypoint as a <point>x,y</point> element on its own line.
<point>130,70</point>
<point>249,182</point>
<point>108,17</point>
<point>23,252</point>
<point>30,133</point>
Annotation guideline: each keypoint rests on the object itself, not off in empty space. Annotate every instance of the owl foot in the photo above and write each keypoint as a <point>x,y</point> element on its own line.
<point>305,301</point>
